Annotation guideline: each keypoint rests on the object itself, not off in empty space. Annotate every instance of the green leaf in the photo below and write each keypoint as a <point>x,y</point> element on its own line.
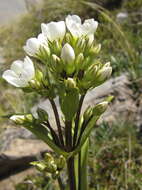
<point>42,133</point>
<point>83,161</point>
<point>85,135</point>
<point>69,103</point>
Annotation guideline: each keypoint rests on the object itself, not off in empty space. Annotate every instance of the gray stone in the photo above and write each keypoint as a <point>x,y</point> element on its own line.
<point>122,17</point>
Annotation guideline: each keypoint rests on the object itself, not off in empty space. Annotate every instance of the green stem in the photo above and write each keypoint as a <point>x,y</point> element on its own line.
<point>71,173</point>
<point>84,125</point>
<point>53,133</point>
<point>68,134</point>
<point>57,121</point>
<point>77,119</point>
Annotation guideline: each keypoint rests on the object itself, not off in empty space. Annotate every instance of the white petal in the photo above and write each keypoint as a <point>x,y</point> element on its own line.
<point>91,38</point>
<point>74,25</point>
<point>12,78</point>
<point>17,66</point>
<point>90,26</point>
<point>54,30</point>
<point>72,19</point>
<point>67,53</point>
<point>77,29</point>
<point>28,68</point>
<point>42,39</point>
<point>32,46</point>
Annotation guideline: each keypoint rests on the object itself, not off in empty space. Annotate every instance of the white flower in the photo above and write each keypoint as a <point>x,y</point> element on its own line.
<point>20,73</point>
<point>54,30</point>
<point>67,53</point>
<point>34,44</point>
<point>78,29</point>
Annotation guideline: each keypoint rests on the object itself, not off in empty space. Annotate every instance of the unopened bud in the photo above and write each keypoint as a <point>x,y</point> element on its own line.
<point>96,49</point>
<point>105,72</point>
<point>91,72</point>
<point>100,108</point>
<point>61,162</point>
<point>70,83</point>
<point>55,58</point>
<point>42,114</point>
<point>21,119</point>
<point>57,64</point>
<point>34,84</point>
<point>39,76</point>
<point>39,165</point>
<point>18,119</point>
<point>87,114</point>
<point>48,157</point>
<point>79,61</point>
<point>67,53</point>
<point>51,167</point>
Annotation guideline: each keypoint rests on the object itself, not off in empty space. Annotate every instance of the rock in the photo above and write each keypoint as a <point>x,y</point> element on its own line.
<point>20,153</point>
<point>123,104</point>
<point>10,11</point>
<point>122,17</point>
<point>9,183</point>
<point>12,133</point>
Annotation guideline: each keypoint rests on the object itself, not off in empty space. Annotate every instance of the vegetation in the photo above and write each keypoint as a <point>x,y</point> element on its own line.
<point>114,163</point>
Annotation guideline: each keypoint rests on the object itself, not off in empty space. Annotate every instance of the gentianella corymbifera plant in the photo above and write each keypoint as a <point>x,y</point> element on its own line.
<point>69,67</point>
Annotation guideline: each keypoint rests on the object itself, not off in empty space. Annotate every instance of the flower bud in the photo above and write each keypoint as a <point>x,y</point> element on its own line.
<point>34,84</point>
<point>21,119</point>
<point>39,165</point>
<point>51,167</point>
<point>18,119</point>
<point>105,72</point>
<point>61,162</point>
<point>48,157</point>
<point>100,108</point>
<point>39,76</point>
<point>42,114</point>
<point>79,61</point>
<point>87,114</point>
<point>70,83</point>
<point>96,49</point>
<point>67,53</point>
<point>57,64</point>
<point>55,58</point>
<point>91,72</point>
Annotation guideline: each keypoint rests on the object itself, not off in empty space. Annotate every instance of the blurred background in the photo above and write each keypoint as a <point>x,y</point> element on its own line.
<point>116,146</point>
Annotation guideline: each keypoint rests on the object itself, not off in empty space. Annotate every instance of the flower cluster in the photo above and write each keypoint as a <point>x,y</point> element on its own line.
<point>68,52</point>
<point>69,63</point>
<point>50,165</point>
